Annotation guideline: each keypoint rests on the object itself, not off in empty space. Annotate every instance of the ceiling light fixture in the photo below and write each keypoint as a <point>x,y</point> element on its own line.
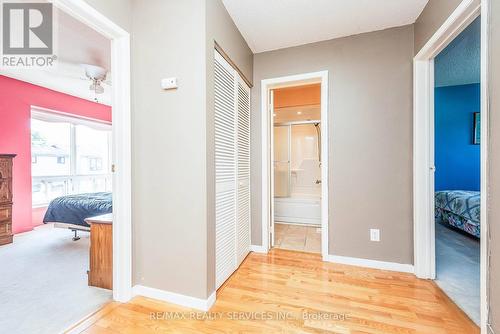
<point>96,75</point>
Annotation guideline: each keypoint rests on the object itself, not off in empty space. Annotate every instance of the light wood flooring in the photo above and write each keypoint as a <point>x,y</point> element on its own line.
<point>294,292</point>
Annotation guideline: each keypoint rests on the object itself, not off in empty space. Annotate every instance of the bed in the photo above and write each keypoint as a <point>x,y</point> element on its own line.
<point>459,209</point>
<point>71,211</point>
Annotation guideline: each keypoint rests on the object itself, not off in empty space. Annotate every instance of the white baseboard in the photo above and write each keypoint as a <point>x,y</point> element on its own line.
<point>353,261</point>
<point>258,249</point>
<point>175,298</point>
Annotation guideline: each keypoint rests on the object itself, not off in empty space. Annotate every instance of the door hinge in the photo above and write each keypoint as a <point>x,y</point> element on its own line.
<point>113,168</point>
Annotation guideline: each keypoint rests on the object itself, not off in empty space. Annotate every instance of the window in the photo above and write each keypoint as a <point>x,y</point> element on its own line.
<point>92,156</point>
<point>95,164</point>
<point>69,156</point>
<point>49,142</point>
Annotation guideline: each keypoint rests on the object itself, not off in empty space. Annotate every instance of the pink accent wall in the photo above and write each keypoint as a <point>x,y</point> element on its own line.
<point>37,215</point>
<point>16,99</point>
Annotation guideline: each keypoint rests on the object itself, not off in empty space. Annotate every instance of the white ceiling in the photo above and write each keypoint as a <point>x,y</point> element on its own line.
<point>274,24</point>
<point>76,44</point>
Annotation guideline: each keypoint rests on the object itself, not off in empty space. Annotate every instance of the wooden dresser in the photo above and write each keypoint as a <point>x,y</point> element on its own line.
<point>101,251</point>
<point>6,198</point>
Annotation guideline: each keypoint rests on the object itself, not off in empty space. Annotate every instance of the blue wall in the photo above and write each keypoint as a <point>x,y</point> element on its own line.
<point>457,159</point>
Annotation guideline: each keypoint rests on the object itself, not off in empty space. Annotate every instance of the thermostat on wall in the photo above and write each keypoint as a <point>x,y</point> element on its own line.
<point>169,83</point>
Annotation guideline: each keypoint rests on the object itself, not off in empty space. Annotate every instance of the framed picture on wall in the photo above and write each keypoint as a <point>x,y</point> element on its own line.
<point>477,129</point>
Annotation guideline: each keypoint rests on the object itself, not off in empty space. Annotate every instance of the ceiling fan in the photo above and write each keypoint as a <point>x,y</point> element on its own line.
<point>97,76</point>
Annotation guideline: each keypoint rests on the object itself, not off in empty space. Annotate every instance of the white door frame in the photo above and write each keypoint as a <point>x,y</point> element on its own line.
<point>423,142</point>
<point>267,146</point>
<point>122,177</point>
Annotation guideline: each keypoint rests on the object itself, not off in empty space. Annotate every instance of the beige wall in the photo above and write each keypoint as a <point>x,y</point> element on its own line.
<point>169,147</point>
<point>118,11</point>
<point>494,166</point>
<point>431,18</point>
<point>370,153</point>
<point>220,28</point>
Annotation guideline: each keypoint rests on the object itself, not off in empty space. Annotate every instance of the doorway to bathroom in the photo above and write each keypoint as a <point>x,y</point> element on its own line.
<point>295,162</point>
<point>297,167</point>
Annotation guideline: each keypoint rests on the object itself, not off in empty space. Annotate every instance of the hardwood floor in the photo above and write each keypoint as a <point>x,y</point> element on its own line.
<point>294,292</point>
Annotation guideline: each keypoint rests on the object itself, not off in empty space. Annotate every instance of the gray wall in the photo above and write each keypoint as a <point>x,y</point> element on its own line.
<point>494,166</point>
<point>220,28</point>
<point>169,147</point>
<point>370,151</point>
<point>431,18</point>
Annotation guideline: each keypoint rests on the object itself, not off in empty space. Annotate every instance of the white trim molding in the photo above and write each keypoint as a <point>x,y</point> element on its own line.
<point>63,116</point>
<point>423,143</point>
<point>423,136</point>
<point>175,298</point>
<point>258,249</point>
<point>374,264</point>
<point>122,158</point>
<point>485,121</point>
<point>423,170</point>
<point>266,127</point>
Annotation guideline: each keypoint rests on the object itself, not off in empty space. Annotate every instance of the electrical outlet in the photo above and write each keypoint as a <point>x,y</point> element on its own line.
<point>374,234</point>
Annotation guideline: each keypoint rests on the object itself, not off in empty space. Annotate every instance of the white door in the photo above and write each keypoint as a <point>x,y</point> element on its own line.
<point>232,169</point>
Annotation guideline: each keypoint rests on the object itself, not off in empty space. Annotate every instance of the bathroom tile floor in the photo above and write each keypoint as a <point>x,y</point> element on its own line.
<point>297,237</point>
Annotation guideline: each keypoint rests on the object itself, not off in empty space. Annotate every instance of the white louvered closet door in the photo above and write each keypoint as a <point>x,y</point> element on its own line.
<point>225,170</point>
<point>243,141</point>
<point>232,170</point>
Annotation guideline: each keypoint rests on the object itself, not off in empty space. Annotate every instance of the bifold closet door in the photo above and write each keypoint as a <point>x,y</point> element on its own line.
<point>225,171</point>
<point>232,169</point>
<point>243,195</point>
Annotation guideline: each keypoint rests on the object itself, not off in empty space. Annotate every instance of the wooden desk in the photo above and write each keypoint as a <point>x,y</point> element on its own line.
<point>101,251</point>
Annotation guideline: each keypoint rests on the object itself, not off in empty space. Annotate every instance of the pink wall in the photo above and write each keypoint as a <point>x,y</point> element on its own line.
<point>37,215</point>
<point>16,99</point>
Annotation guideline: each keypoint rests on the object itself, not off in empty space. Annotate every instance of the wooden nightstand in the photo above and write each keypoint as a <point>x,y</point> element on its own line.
<point>101,251</point>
